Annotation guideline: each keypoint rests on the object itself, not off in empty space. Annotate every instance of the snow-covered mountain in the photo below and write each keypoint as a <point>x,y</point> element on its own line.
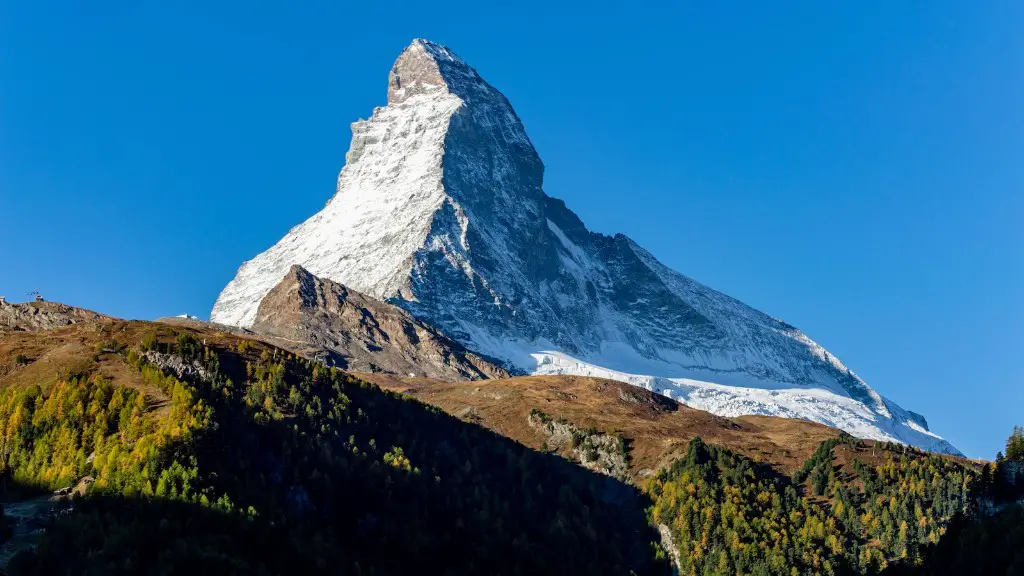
<point>440,210</point>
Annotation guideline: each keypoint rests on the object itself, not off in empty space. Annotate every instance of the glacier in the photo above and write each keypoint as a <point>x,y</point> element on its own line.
<point>440,209</point>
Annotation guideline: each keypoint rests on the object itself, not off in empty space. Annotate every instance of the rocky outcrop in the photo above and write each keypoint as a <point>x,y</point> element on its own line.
<point>31,316</point>
<point>321,318</point>
<point>184,369</point>
<point>668,544</point>
<point>598,451</point>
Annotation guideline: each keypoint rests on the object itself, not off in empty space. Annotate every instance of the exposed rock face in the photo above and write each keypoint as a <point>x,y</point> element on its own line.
<point>318,317</point>
<point>189,370</point>
<point>600,452</point>
<point>43,315</point>
<point>440,210</point>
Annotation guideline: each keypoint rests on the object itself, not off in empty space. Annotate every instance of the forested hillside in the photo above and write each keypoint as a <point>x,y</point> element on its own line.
<point>989,537</point>
<point>232,456</point>
<point>729,515</point>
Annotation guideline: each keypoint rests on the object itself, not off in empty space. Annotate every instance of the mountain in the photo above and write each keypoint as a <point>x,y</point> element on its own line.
<point>440,210</point>
<point>324,319</point>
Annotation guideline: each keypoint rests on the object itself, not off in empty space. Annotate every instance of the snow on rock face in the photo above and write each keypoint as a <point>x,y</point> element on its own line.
<point>752,397</point>
<point>380,216</point>
<point>440,210</point>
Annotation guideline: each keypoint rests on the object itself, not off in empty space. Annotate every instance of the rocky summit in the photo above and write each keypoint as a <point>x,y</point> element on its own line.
<point>40,315</point>
<point>440,211</point>
<point>324,319</point>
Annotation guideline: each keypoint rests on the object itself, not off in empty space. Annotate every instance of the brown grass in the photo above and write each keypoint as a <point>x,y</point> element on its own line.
<point>76,350</point>
<point>659,429</point>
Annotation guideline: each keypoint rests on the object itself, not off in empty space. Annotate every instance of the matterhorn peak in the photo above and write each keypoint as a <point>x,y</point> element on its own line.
<point>447,149</point>
<point>426,67</point>
<point>440,210</point>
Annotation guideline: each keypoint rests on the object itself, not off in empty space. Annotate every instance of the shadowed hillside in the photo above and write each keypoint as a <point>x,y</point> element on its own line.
<point>216,453</point>
<point>749,495</point>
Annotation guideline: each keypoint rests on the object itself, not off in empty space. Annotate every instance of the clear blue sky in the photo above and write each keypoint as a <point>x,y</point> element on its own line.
<point>855,168</point>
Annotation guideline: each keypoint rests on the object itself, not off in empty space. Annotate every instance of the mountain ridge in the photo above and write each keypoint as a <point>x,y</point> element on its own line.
<point>440,210</point>
<point>324,319</point>
<point>43,315</point>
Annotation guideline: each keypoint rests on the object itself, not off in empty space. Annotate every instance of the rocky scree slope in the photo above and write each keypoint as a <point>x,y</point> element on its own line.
<point>440,210</point>
<point>323,319</point>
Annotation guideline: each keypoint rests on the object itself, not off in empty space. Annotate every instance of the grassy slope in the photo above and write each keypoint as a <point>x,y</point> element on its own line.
<point>659,428</point>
